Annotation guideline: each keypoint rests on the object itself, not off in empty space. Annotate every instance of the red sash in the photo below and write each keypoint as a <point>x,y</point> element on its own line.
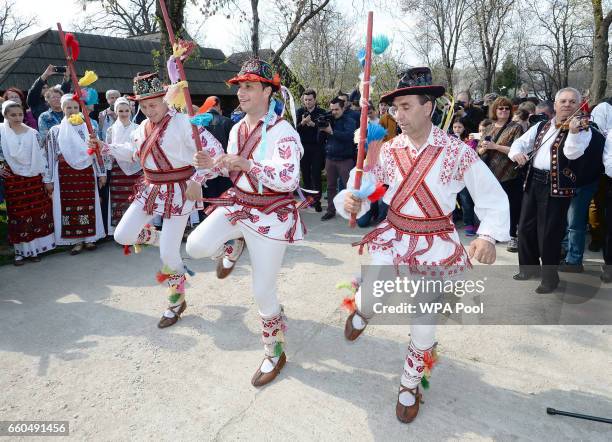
<point>434,223</point>
<point>165,175</point>
<point>267,202</point>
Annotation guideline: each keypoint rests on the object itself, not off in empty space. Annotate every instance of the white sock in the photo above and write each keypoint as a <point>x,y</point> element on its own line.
<point>267,366</point>
<point>227,263</point>
<point>169,314</point>
<point>358,322</point>
<point>407,399</point>
<point>19,258</point>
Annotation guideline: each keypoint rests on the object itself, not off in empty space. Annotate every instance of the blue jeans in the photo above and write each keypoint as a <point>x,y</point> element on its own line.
<point>577,218</point>
<point>377,213</point>
<point>467,207</point>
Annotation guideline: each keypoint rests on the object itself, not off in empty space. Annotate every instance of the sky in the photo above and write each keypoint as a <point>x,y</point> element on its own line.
<point>217,32</point>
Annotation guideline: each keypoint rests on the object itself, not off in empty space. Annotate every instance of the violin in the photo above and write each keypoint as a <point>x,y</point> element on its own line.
<point>585,122</point>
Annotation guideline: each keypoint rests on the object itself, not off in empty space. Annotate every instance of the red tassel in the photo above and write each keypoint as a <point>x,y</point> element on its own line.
<point>584,107</point>
<point>429,360</point>
<point>73,44</point>
<point>126,249</point>
<point>378,193</point>
<point>349,304</point>
<point>161,277</point>
<point>90,151</point>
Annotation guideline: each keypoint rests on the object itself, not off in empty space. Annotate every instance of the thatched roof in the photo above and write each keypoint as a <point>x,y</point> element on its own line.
<point>115,60</point>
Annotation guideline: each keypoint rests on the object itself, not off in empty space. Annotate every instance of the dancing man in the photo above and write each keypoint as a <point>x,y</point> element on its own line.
<point>263,161</point>
<point>425,169</point>
<point>165,146</point>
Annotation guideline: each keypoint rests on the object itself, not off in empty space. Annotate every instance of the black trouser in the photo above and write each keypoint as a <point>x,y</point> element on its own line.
<point>213,189</point>
<point>311,165</point>
<point>607,249</point>
<point>514,190</point>
<point>541,227</point>
<point>104,193</point>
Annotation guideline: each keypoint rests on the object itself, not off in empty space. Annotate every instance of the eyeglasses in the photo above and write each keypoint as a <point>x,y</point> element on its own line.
<point>503,108</point>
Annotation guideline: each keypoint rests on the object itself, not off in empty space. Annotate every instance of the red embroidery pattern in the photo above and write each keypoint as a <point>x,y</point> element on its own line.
<point>285,152</point>
<point>468,158</point>
<point>451,156</point>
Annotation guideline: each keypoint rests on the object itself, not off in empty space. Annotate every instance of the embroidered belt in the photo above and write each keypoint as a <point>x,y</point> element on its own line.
<point>172,176</point>
<point>413,225</point>
<point>267,203</point>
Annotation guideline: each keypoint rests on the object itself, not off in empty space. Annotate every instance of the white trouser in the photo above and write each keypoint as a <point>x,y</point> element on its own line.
<point>170,240</point>
<point>266,255</point>
<point>423,335</point>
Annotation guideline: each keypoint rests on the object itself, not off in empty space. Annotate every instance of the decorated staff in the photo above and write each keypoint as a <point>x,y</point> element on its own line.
<point>71,51</point>
<point>180,52</point>
<point>367,133</point>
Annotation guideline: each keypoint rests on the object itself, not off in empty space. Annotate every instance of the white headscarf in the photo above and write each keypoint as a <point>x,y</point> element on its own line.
<point>120,134</point>
<point>65,98</point>
<point>8,103</point>
<point>22,152</point>
<point>72,142</point>
<point>121,100</point>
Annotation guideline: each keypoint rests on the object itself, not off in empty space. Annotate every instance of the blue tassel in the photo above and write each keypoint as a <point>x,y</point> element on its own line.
<point>361,56</point>
<point>376,132</point>
<point>91,97</point>
<point>189,271</point>
<point>202,120</point>
<point>367,188</point>
<point>263,145</point>
<point>380,43</point>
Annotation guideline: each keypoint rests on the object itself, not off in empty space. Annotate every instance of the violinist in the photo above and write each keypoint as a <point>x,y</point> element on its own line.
<point>561,155</point>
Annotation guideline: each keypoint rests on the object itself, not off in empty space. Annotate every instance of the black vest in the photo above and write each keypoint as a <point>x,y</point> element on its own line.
<point>566,175</point>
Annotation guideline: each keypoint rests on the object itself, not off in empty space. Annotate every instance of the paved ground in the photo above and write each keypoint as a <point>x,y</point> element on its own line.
<point>79,342</point>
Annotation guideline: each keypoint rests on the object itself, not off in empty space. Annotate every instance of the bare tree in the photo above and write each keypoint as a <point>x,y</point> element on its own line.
<point>296,15</point>
<point>490,20</point>
<point>291,18</point>
<point>128,18</point>
<point>601,52</point>
<point>323,55</point>
<point>443,22</point>
<point>12,24</point>
<point>561,40</point>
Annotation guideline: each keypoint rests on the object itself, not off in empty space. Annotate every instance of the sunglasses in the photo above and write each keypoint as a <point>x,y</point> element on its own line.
<point>503,108</point>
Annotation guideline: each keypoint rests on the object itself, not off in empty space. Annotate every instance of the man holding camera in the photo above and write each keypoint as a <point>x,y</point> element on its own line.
<point>336,131</point>
<point>312,162</point>
<point>36,99</point>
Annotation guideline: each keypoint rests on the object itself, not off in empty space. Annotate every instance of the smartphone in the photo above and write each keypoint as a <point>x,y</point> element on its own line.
<point>475,136</point>
<point>59,69</point>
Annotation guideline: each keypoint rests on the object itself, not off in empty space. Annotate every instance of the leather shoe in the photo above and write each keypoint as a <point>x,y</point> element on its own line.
<point>407,414</point>
<point>547,287</point>
<point>260,378</point>
<point>606,274</point>
<point>571,268</point>
<point>351,333</point>
<point>328,216</point>
<point>178,311</point>
<point>524,275</point>
<point>317,206</point>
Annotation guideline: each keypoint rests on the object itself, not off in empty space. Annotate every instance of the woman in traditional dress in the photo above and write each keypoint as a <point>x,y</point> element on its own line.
<point>76,204</point>
<point>28,202</point>
<point>123,174</point>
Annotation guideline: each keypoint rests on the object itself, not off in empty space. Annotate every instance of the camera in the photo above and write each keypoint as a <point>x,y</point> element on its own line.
<point>59,69</point>
<point>324,120</point>
<point>537,118</point>
<point>488,138</point>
